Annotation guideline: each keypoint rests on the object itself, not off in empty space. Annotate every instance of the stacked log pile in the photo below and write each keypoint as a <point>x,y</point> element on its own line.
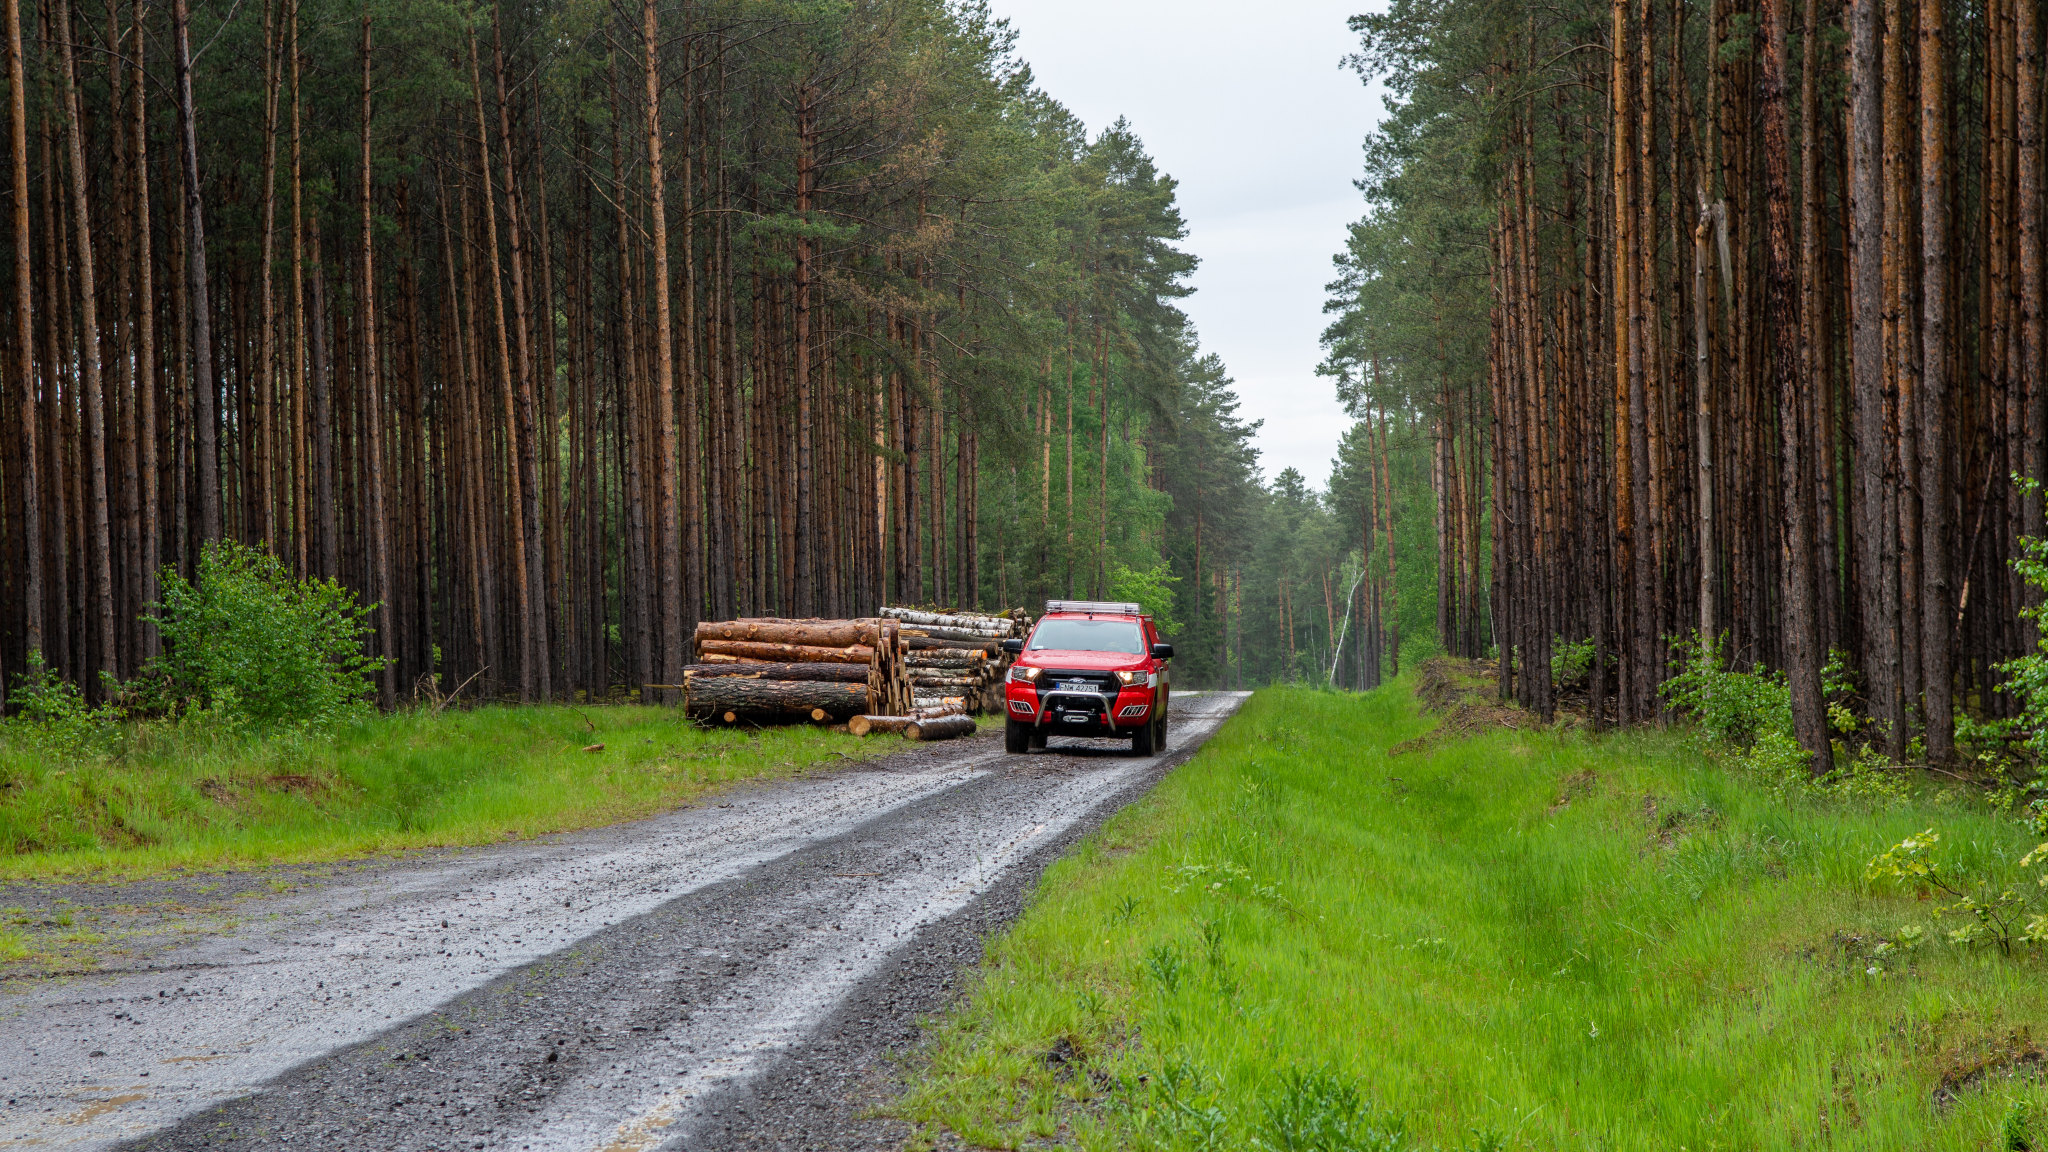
<point>956,656</point>
<point>907,670</point>
<point>766,670</point>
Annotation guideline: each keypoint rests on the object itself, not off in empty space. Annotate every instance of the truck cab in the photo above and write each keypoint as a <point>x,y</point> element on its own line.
<point>1089,668</point>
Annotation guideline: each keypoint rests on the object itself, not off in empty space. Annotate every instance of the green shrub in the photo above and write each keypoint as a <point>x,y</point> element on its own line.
<point>1570,660</point>
<point>54,718</point>
<point>247,637</point>
<point>1730,707</point>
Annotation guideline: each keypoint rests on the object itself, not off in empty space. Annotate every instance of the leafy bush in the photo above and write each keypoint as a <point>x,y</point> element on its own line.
<point>246,636</point>
<point>1738,708</point>
<point>2026,676</point>
<point>1570,661</point>
<point>1749,715</point>
<point>54,716</point>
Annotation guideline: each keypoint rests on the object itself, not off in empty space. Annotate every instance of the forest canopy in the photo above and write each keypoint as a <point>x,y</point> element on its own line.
<point>551,328</point>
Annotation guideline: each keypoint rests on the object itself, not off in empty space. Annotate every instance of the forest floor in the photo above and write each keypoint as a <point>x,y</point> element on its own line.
<point>1325,931</point>
<point>214,821</point>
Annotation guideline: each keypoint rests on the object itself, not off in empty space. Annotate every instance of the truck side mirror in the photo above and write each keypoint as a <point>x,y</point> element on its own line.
<point>1013,645</point>
<point>1162,651</point>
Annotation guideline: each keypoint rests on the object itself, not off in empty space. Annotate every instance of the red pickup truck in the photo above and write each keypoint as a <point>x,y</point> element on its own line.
<point>1088,669</point>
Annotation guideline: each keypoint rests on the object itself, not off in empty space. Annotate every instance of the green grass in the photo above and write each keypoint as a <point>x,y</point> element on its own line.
<point>409,780</point>
<point>1509,941</point>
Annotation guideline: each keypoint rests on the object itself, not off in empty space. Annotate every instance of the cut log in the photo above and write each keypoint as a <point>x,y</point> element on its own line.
<point>947,658</point>
<point>940,728</point>
<point>865,725</point>
<point>746,695</point>
<point>919,642</point>
<point>987,625</point>
<point>924,700</point>
<point>847,673</point>
<point>918,680</point>
<point>953,635</point>
<point>947,708</point>
<point>809,633</point>
<point>785,653</point>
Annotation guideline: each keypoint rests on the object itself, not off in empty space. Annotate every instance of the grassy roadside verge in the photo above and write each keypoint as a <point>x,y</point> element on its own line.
<point>1515,940</point>
<point>409,780</point>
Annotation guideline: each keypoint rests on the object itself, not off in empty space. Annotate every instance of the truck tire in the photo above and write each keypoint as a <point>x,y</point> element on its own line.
<point>1144,740</point>
<point>1016,737</point>
<point>1160,740</point>
<point>1037,736</point>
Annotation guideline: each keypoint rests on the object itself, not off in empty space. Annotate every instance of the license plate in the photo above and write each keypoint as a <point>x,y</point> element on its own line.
<point>1076,686</point>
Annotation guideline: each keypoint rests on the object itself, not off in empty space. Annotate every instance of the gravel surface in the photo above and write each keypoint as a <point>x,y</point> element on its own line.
<point>720,977</point>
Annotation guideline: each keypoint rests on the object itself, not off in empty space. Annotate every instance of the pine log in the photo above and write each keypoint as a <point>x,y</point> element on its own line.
<point>865,725</point>
<point>940,728</point>
<point>846,673</point>
<point>809,633</point>
<point>785,653</point>
<point>932,680</point>
<point>745,695</point>
<point>952,707</point>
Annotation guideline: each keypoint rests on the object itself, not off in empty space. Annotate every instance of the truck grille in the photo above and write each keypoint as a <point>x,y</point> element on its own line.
<point>1103,683</point>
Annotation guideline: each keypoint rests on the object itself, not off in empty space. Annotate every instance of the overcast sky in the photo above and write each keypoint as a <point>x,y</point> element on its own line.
<point>1249,107</point>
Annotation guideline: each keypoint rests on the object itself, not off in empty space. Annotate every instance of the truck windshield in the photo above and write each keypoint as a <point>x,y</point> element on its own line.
<point>1120,636</point>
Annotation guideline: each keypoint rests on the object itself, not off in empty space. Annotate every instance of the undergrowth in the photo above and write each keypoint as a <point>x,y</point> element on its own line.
<point>183,794</point>
<point>1514,940</point>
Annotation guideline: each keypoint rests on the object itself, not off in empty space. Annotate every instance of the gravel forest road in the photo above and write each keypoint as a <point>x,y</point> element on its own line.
<point>736,975</point>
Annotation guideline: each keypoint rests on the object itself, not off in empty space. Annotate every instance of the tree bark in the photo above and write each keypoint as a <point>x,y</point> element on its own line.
<point>1809,720</point>
<point>373,412</point>
<point>788,653</point>
<point>25,336</point>
<point>1867,353</point>
<point>1937,610</point>
<point>204,386</point>
<point>940,728</point>
<point>667,542</point>
<point>98,547</point>
<point>527,431</point>
<point>715,695</point>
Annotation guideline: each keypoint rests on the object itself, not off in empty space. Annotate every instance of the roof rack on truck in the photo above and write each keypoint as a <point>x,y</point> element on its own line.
<point>1094,607</point>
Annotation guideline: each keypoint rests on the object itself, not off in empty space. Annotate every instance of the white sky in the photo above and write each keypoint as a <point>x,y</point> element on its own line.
<point>1248,107</point>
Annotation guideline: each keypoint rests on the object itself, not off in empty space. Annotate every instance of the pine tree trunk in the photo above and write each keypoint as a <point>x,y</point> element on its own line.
<point>204,386</point>
<point>147,526</point>
<point>25,337</point>
<point>98,546</point>
<point>668,544</point>
<point>1783,334</point>
<point>526,445</point>
<point>373,418</point>
<point>1936,607</point>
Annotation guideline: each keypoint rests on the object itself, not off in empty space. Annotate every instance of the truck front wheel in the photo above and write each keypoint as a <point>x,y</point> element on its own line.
<point>1016,737</point>
<point>1145,739</point>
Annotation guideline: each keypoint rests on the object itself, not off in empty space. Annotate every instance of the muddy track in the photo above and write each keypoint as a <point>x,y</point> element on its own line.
<point>732,976</point>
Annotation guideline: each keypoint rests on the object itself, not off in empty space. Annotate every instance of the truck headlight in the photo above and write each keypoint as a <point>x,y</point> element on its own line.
<point>1023,675</point>
<point>1135,679</point>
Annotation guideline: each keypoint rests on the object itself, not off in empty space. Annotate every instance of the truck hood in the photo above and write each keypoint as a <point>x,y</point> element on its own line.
<point>1081,661</point>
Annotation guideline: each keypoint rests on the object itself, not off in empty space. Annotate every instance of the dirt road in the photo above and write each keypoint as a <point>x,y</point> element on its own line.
<point>721,977</point>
